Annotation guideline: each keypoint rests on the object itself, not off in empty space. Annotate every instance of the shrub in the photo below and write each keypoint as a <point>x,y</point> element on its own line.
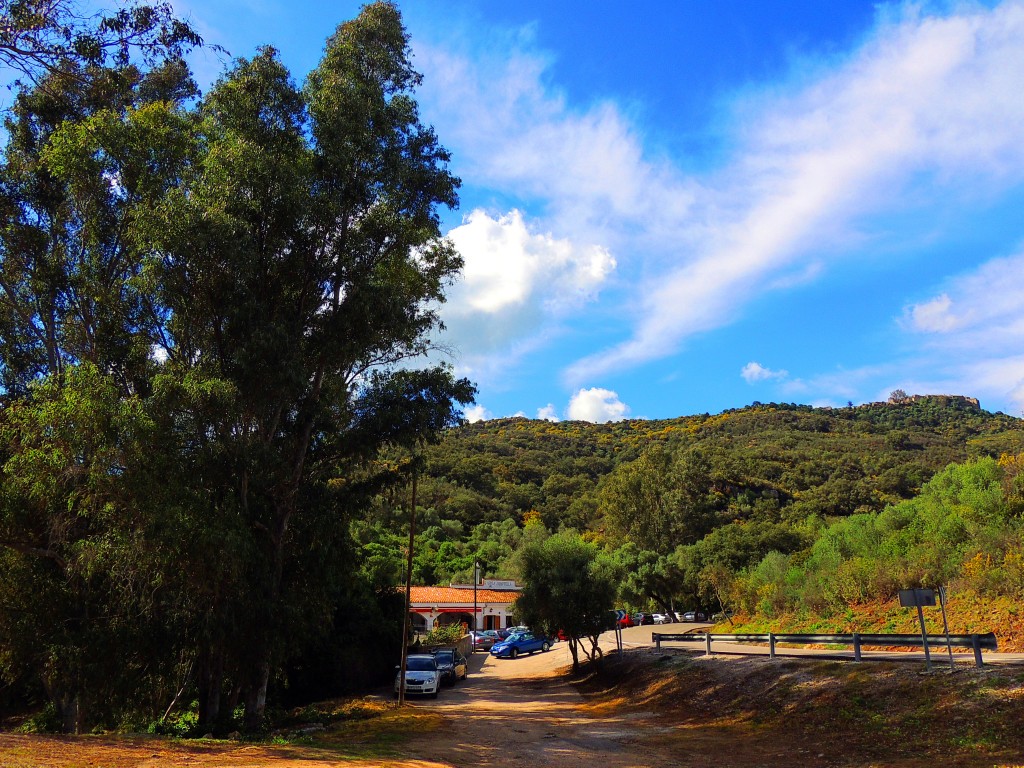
<point>445,635</point>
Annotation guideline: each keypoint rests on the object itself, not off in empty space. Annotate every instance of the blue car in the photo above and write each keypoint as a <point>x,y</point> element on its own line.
<point>520,642</point>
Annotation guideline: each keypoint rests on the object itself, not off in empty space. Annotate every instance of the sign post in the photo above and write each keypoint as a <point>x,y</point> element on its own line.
<point>619,616</point>
<point>915,598</point>
<point>945,626</point>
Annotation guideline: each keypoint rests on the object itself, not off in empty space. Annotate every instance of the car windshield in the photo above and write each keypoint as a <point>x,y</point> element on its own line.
<point>519,636</point>
<point>420,664</point>
<point>444,657</point>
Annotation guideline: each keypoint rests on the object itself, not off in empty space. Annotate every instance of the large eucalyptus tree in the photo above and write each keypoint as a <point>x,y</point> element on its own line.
<point>255,275</point>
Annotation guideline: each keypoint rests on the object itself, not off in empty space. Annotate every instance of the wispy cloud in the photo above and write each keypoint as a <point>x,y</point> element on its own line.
<point>929,105</point>
<point>971,334</point>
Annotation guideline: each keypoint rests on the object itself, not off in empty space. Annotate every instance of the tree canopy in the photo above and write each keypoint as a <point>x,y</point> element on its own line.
<point>567,588</point>
<point>222,301</point>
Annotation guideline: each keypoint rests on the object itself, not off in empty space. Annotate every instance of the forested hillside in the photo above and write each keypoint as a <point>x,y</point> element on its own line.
<point>663,483</point>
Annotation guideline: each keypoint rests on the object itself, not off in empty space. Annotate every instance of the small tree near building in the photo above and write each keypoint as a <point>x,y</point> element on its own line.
<point>567,587</point>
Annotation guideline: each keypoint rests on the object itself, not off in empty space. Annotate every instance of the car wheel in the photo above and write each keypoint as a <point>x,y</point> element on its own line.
<point>545,647</point>
<point>513,653</point>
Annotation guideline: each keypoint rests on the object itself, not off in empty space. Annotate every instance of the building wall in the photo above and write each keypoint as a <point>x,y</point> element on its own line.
<point>490,616</point>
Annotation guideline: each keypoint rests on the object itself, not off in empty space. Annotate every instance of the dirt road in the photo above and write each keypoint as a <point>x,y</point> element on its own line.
<point>525,711</point>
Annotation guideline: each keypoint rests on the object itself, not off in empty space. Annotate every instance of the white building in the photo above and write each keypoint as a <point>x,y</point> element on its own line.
<point>436,606</point>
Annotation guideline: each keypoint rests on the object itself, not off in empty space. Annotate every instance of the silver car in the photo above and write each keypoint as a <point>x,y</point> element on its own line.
<point>421,676</point>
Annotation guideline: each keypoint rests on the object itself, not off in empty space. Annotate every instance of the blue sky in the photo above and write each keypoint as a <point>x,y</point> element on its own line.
<point>677,207</point>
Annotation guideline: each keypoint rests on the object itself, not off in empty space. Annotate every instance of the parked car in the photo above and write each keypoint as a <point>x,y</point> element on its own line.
<point>643,618</point>
<point>521,642</point>
<point>421,675</point>
<point>692,616</point>
<point>627,621</point>
<point>484,639</point>
<point>664,618</point>
<point>451,664</point>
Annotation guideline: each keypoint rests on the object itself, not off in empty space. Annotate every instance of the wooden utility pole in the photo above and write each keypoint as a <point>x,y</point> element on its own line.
<point>408,591</point>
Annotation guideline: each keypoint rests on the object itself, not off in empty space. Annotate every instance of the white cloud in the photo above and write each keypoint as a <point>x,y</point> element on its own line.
<point>513,132</point>
<point>597,405</point>
<point>979,312</point>
<point>753,372</point>
<point>517,285</point>
<point>926,111</point>
<point>934,315</point>
<point>548,413</point>
<point>476,413</point>
<point>971,336</point>
<point>508,266</point>
<point>930,100</point>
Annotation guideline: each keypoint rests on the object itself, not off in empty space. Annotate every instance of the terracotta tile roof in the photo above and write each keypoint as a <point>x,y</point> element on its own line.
<point>463,596</point>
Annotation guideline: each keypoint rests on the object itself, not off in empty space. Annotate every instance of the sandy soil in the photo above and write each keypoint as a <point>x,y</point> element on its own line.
<point>526,711</point>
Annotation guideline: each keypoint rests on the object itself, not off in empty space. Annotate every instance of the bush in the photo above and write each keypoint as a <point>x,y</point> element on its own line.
<point>44,721</point>
<point>444,635</point>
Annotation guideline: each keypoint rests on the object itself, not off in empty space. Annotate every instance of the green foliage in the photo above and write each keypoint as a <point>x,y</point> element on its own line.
<point>958,531</point>
<point>567,587</point>
<point>207,320</point>
<point>448,634</point>
<point>180,724</point>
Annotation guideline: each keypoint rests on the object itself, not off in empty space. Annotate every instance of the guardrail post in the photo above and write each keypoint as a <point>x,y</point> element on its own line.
<point>657,641</point>
<point>707,643</point>
<point>771,645</point>
<point>976,645</point>
<point>856,646</point>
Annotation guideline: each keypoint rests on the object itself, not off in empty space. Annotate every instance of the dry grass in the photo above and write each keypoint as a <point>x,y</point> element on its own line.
<point>837,712</point>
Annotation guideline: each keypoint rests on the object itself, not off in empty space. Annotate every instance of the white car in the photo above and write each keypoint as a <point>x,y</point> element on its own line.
<point>421,676</point>
<point>663,618</point>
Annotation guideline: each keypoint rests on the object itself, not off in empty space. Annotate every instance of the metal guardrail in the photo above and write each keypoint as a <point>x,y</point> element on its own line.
<point>857,640</point>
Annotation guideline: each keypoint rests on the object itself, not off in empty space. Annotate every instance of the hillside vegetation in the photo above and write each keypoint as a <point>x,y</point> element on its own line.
<point>773,510</point>
<point>764,463</point>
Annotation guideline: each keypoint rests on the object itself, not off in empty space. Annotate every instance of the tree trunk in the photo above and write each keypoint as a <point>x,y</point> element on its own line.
<point>256,697</point>
<point>71,715</point>
<point>68,706</point>
<point>574,650</point>
<point>210,681</point>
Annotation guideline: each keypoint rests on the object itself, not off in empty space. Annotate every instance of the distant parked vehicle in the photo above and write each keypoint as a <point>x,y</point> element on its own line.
<point>521,642</point>
<point>692,616</point>
<point>643,618</point>
<point>663,618</point>
<point>484,639</point>
<point>627,621</point>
